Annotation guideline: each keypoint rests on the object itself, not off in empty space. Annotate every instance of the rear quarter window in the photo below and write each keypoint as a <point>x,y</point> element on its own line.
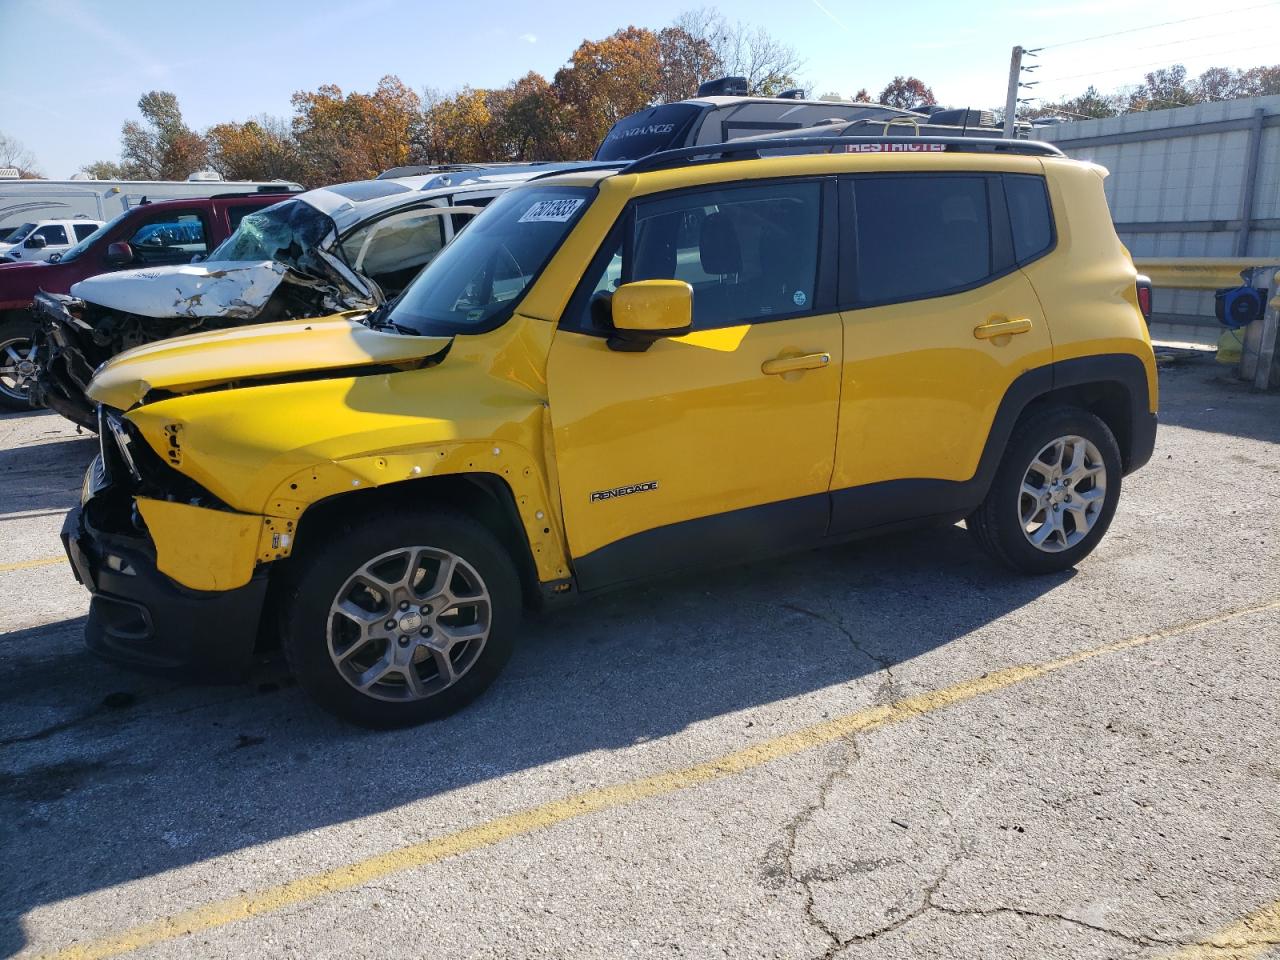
<point>1030,215</point>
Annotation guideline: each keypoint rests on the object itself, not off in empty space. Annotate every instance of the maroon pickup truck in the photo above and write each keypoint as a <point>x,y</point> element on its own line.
<point>166,232</point>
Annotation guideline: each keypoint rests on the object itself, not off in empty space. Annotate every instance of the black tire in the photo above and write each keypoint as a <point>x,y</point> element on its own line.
<point>323,570</point>
<point>996,524</point>
<point>15,329</point>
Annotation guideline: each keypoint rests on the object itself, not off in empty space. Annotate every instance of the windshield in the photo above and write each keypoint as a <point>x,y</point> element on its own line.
<point>648,131</point>
<point>88,241</point>
<point>17,234</point>
<point>477,280</point>
<point>286,232</point>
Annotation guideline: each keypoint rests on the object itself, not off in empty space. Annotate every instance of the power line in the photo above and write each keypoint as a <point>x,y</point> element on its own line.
<point>1161,63</point>
<point>1174,43</point>
<point>1153,26</point>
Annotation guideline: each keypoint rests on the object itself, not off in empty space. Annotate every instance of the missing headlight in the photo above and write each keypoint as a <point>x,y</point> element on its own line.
<point>119,433</point>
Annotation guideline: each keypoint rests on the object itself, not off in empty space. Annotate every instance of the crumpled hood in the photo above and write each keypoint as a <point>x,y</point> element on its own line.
<point>266,352</point>
<point>231,290</point>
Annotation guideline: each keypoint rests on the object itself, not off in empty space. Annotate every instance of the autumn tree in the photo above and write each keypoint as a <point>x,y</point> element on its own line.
<point>358,135</point>
<point>906,93</point>
<point>769,65</point>
<point>862,96</point>
<point>1089,105</point>
<point>531,125</point>
<point>162,146</point>
<point>259,149</point>
<point>1224,83</point>
<point>463,128</point>
<point>1164,88</point>
<point>14,154</point>
<point>604,81</point>
<point>685,62</point>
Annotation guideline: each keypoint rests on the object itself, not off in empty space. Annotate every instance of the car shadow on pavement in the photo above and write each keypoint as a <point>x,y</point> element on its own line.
<point>107,777</point>
<point>1203,395</point>
<point>44,476</point>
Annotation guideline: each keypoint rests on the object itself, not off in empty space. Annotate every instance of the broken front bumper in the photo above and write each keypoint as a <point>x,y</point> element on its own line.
<point>141,618</point>
<point>67,359</point>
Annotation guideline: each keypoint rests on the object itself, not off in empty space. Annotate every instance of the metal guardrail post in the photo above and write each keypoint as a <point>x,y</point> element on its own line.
<point>1250,183</point>
<point>1266,376</point>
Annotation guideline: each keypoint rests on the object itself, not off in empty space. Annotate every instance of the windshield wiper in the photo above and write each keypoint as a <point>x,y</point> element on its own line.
<point>378,320</point>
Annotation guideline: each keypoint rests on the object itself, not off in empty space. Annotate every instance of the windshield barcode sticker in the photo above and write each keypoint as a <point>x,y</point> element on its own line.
<point>551,211</point>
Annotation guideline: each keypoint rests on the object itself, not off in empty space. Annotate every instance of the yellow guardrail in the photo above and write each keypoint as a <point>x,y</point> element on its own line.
<point>1199,273</point>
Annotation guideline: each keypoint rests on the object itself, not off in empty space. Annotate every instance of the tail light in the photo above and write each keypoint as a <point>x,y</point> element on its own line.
<point>1144,298</point>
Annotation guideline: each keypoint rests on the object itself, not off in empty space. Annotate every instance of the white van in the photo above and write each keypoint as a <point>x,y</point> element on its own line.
<point>27,201</point>
<point>42,239</point>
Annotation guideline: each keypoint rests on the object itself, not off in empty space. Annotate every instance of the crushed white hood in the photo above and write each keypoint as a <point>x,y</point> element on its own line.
<point>231,290</point>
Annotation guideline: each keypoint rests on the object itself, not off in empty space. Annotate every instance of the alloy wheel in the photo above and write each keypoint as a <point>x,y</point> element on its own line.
<point>18,365</point>
<point>1062,494</point>
<point>409,623</point>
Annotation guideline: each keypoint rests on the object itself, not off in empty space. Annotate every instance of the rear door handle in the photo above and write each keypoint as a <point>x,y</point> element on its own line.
<point>809,361</point>
<point>1001,328</point>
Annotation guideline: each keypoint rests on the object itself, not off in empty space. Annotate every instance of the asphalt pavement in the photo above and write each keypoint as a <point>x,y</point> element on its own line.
<point>889,749</point>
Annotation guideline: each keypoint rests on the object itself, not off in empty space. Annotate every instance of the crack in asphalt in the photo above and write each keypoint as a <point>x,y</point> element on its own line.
<point>887,691</point>
<point>799,822</point>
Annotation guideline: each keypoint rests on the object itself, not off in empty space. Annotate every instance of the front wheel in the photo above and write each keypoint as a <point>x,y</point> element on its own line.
<point>402,618</point>
<point>1054,493</point>
<point>18,363</point>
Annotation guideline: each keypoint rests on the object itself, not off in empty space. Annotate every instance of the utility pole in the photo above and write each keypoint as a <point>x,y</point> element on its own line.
<point>1011,99</point>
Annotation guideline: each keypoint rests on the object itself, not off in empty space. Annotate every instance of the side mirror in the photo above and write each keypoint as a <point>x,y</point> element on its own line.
<point>36,243</point>
<point>119,254</point>
<point>648,310</point>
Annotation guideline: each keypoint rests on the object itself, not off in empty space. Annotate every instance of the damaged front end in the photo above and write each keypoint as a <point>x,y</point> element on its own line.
<point>275,267</point>
<point>161,557</point>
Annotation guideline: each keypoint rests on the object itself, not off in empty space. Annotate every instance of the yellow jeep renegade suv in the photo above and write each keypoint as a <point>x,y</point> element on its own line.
<point>619,373</point>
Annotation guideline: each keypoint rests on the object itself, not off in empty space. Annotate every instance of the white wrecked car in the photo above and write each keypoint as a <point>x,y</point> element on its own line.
<point>346,247</point>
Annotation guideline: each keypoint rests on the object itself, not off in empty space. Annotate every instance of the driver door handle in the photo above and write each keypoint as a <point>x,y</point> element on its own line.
<point>809,361</point>
<point>1001,328</point>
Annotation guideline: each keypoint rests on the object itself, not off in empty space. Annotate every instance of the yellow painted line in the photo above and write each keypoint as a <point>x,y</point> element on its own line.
<point>1248,939</point>
<point>31,564</point>
<point>271,899</point>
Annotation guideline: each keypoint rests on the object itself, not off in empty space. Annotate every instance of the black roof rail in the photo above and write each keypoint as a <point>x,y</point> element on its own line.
<point>427,169</point>
<point>586,165</point>
<point>234,195</point>
<point>751,149</point>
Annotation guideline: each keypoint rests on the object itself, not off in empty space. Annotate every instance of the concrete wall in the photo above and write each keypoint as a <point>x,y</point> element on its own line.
<point>1180,181</point>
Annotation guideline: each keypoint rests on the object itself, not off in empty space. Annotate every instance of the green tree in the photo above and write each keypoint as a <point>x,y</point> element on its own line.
<point>162,146</point>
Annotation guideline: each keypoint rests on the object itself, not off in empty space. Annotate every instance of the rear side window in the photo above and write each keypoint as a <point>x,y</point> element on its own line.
<point>920,236</point>
<point>1030,216</point>
<point>84,230</point>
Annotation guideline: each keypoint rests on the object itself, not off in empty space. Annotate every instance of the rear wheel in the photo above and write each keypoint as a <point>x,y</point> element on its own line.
<point>401,619</point>
<point>1054,493</point>
<point>18,363</point>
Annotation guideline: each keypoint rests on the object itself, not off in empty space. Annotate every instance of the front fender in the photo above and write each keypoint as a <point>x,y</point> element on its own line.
<point>275,450</point>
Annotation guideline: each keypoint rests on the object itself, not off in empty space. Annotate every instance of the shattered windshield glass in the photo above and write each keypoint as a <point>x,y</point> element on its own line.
<point>287,232</point>
<point>477,280</point>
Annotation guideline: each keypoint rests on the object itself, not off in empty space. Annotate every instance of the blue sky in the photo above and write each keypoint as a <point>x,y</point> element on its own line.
<point>232,59</point>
